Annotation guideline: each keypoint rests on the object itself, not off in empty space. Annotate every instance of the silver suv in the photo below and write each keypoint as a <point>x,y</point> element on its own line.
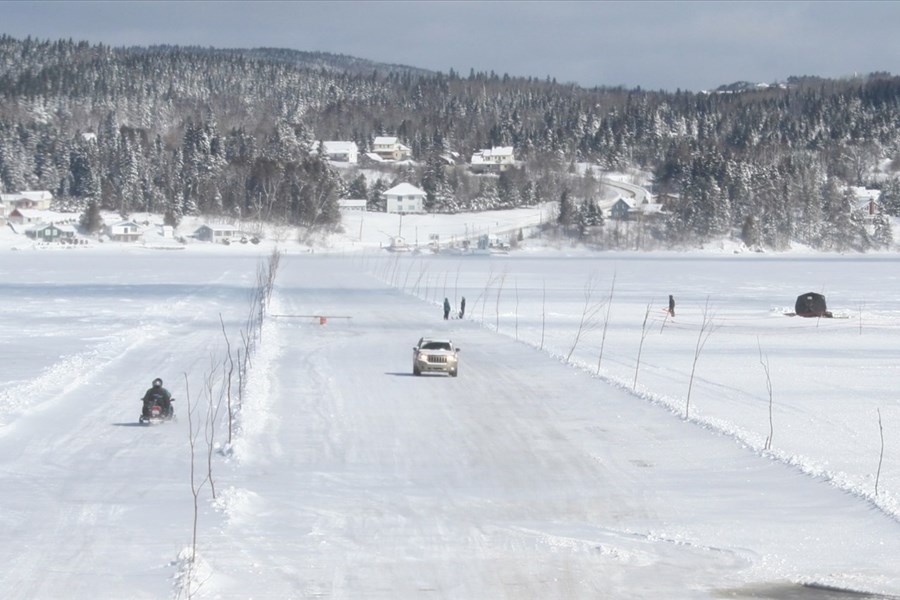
<point>435,355</point>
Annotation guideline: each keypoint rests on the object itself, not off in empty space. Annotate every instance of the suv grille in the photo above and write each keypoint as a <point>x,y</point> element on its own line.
<point>437,358</point>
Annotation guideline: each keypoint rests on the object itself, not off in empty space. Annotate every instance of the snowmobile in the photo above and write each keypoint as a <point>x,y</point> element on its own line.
<point>153,413</point>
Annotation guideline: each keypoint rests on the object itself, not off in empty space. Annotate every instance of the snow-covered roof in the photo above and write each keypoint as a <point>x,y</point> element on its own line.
<point>338,147</point>
<point>385,140</point>
<point>32,213</point>
<point>41,226</point>
<point>405,189</point>
<point>32,195</point>
<point>37,195</point>
<point>499,151</point>
<point>492,154</point>
<point>650,208</point>
<point>126,223</point>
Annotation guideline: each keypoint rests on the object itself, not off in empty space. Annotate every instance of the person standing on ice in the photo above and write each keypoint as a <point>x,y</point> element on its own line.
<point>462,307</point>
<point>446,308</point>
<point>671,306</point>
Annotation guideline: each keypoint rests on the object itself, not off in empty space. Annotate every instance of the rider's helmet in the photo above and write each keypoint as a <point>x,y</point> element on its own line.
<point>157,382</point>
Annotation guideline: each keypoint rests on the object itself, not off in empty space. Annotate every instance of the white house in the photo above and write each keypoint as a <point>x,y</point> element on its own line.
<point>216,233</point>
<point>31,199</point>
<point>124,231</point>
<point>405,198</point>
<point>347,152</point>
<point>498,157</point>
<point>390,148</point>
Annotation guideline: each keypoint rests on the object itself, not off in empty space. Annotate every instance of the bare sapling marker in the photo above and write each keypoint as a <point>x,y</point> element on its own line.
<point>422,271</point>
<point>644,330</point>
<point>609,300</point>
<point>408,271</point>
<point>228,378</point>
<point>213,405</point>
<point>197,483</point>
<point>456,285</point>
<point>248,363</point>
<point>706,329</point>
<point>543,314</point>
<point>861,306</point>
<point>497,302</point>
<point>395,275</point>
<point>588,320</point>
<point>664,321</point>
<point>516,282</point>
<point>764,361</point>
<point>881,452</point>
<point>240,375</point>
<point>484,294</point>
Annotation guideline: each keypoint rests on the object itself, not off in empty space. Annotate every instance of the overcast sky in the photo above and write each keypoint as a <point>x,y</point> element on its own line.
<point>654,45</point>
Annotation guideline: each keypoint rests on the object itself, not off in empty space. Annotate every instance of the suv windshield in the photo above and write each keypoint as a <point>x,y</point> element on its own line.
<point>436,346</point>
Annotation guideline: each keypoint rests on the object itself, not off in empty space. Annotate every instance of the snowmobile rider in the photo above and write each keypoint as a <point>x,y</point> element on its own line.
<point>159,395</point>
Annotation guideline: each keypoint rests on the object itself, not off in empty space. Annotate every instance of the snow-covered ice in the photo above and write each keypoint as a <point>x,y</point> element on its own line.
<point>730,451</point>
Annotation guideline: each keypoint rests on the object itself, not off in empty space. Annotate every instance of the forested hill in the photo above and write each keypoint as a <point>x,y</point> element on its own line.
<point>226,131</point>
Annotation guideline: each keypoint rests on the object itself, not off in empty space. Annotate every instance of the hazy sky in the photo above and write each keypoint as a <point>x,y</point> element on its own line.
<point>654,45</point>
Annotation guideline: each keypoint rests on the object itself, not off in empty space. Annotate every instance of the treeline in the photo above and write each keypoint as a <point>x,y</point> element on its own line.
<point>232,132</point>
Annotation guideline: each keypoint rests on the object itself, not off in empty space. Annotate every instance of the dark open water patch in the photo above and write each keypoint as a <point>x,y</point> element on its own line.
<point>798,591</point>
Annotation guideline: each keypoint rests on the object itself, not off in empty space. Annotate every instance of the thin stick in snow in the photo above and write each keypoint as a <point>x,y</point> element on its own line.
<point>588,316</point>
<point>881,453</point>
<point>644,330</point>
<point>764,361</point>
<point>606,322</point>
<point>706,329</point>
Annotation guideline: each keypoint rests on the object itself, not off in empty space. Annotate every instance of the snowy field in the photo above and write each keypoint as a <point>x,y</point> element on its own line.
<point>591,447</point>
